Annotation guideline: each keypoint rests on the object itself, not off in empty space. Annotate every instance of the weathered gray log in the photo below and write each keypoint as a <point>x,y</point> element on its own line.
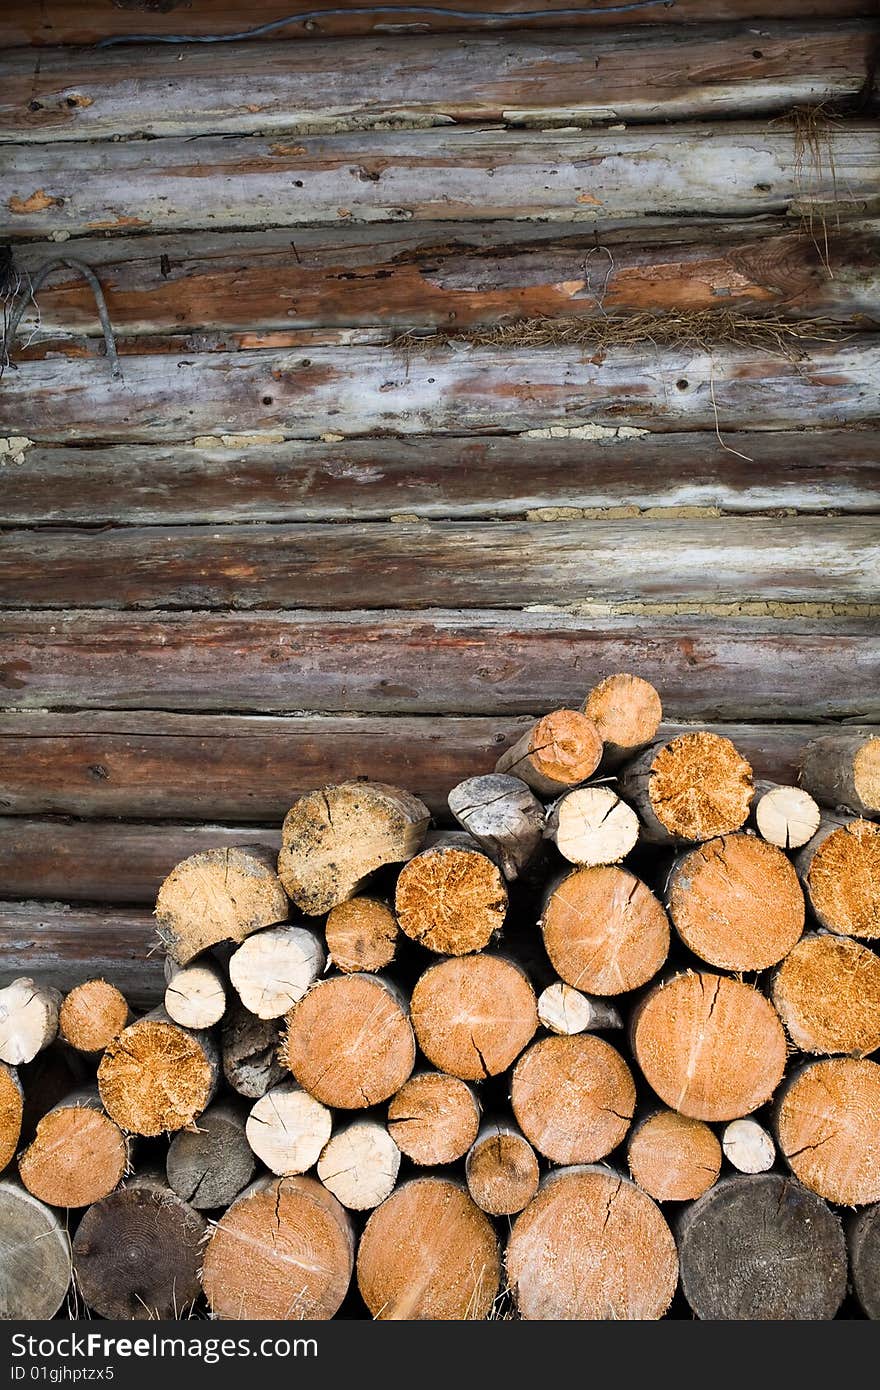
<point>34,1257</point>
<point>249,1048</point>
<point>863,1242</point>
<point>843,770</point>
<point>502,815</point>
<point>209,1165</point>
<point>759,1248</point>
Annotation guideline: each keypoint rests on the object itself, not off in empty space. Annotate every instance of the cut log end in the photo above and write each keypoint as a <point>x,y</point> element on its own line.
<point>362,935</point>
<point>218,895</point>
<point>156,1077</point>
<point>674,1158</point>
<point>283,1250</point>
<point>28,1020</point>
<point>787,817</point>
<point>195,996</point>
<point>827,993</point>
<point>360,1165</point>
<point>451,900</point>
<point>592,1246</point>
<point>77,1156</point>
<point>429,1253</point>
<point>473,1015</point>
<point>737,903</point>
<point>748,1147</point>
<point>560,751</point>
<point>711,1048</point>
<point>92,1015</point>
<point>273,969</point>
<point>503,816</point>
<point>573,1098</point>
<point>693,788</point>
<point>434,1119</point>
<point>593,826</point>
<point>627,712</point>
<point>332,840</point>
<point>35,1267</point>
<point>841,871</point>
<point>287,1129</point>
<point>604,930</point>
<point>566,1011</point>
<point>11,1112</point>
<point>502,1170</point>
<point>828,1126</point>
<point>210,1165</point>
<point>350,1042</point>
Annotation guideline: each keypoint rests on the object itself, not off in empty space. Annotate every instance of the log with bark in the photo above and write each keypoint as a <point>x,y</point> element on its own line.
<point>210,1164</point>
<point>502,814</point>
<point>558,752</point>
<point>34,1257</point>
<point>627,711</point>
<point>827,993</point>
<point>452,897</point>
<point>564,1010</point>
<point>156,1076</point>
<point>28,1020</point>
<point>694,788</point>
<point>843,770</point>
<point>840,869</point>
<point>863,1242</point>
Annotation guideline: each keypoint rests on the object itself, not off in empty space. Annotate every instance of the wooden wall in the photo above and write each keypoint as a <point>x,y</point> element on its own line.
<point>288,547</point>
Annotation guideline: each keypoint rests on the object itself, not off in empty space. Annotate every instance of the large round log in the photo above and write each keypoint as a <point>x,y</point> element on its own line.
<point>272,969</point>
<point>429,1253</point>
<point>249,1049</point>
<point>473,1015</point>
<point>840,869</point>
<point>501,1169</point>
<point>28,1020</point>
<point>157,1076</point>
<point>451,898</point>
<point>828,1126</point>
<point>711,1048</point>
<point>34,1257</point>
<point>136,1253</point>
<point>360,1164</point>
<point>673,1158</point>
<point>558,752</point>
<point>503,816</point>
<point>287,1129</point>
<point>208,1166</point>
<point>604,930</point>
<point>591,1245</point>
<point>761,1248</point>
<point>283,1251</point>
<point>844,770</point>
<point>11,1112</point>
<point>218,895</point>
<point>350,1042</point>
<point>627,712</point>
<point>736,902</point>
<point>827,993</point>
<point>434,1118</point>
<point>362,934</point>
<point>693,788</point>
<point>78,1154</point>
<point>332,840</point>
<point>92,1015</point>
<point>573,1098</point>
<point>863,1241</point>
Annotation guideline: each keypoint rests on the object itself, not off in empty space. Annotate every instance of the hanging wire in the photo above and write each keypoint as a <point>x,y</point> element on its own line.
<point>307,16</point>
<point>13,314</point>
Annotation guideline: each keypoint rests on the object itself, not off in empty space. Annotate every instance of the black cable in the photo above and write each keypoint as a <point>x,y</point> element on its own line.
<point>490,16</point>
<point>89,275</point>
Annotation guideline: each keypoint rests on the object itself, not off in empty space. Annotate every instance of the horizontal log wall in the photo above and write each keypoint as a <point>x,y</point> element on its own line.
<point>434,541</point>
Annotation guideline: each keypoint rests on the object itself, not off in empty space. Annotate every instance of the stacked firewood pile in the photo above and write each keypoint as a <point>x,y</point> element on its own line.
<point>608,1039</point>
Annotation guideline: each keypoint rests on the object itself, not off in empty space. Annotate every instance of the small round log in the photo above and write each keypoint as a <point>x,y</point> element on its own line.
<point>604,930</point>
<point>566,1011</point>
<point>627,712</point>
<point>591,825</point>
<point>350,1042</point>
<point>711,1048</point>
<point>693,788</point>
<point>92,1015</point>
<point>218,895</point>
<point>827,993</point>
<point>195,995</point>
<point>157,1076</point>
<point>273,969</point>
<point>210,1165</point>
<point>287,1129</point>
<point>332,840</point>
<point>840,870</point>
<point>558,752</point>
<point>28,1020</point>
<point>429,1253</point>
<point>451,899</point>
<point>828,1127</point>
<point>136,1253</point>
<point>844,770</point>
<point>249,1048</point>
<point>362,935</point>
<point>573,1098</point>
<point>503,816</point>
<point>11,1112</point>
<point>761,1248</point>
<point>34,1257</point>
<point>78,1154</point>
<point>473,1015</point>
<point>736,902</point>
<point>863,1241</point>
<point>501,1170</point>
<point>748,1147</point>
<point>591,1246</point>
<point>434,1118</point>
<point>785,816</point>
<point>360,1165</point>
<point>673,1158</point>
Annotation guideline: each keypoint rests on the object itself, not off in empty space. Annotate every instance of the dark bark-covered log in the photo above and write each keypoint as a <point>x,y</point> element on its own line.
<point>593,1246</point>
<point>748,1147</point>
<point>565,1011</point>
<point>78,1154</point>
<point>429,1253</point>
<point>361,934</point>
<point>443,390</point>
<point>11,1110</point>
<point>28,1019</point>
<point>195,995</point>
<point>503,816</point>
<point>558,752</point>
<point>249,1049</point>
<point>436,478</point>
<point>844,770</point>
<point>284,1250</point>
<point>220,895</point>
<point>272,969</point>
<point>209,1165</point>
<point>92,1015</point>
<point>255,87</point>
<point>333,839</point>
<point>827,993</point>
<point>785,816</point>
<point>672,1157</point>
<point>736,902</point>
<point>761,1248</point>
<point>360,1165</point>
<point>136,1253</point>
<point>434,1118</point>
<point>288,1129</point>
<point>627,711</point>
<point>694,787</point>
<point>712,1048</point>
<point>828,1127</point>
<point>34,1257</point>
<point>451,898</point>
<point>501,1169</point>
<point>156,1076</point>
<point>840,870</point>
<point>473,1015</point>
<point>863,1242</point>
<point>573,1098</point>
<point>350,1042</point>
<point>604,930</point>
